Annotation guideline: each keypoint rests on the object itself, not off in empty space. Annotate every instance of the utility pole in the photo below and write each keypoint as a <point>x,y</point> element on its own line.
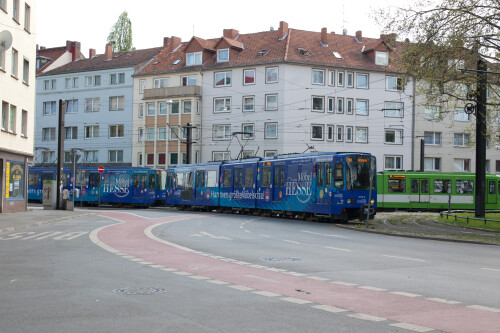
<point>60,154</point>
<point>422,154</point>
<point>481,138</point>
<point>189,142</point>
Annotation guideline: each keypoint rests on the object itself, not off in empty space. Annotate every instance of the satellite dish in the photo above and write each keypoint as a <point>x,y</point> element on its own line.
<point>5,40</point>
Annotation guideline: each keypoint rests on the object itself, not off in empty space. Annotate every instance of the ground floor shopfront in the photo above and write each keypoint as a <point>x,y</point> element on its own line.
<point>13,181</point>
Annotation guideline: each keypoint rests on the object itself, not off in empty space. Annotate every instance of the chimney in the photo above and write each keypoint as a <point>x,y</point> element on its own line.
<point>75,50</point>
<point>359,36</point>
<point>91,53</point>
<point>230,33</point>
<point>166,41</point>
<point>171,43</point>
<point>283,29</point>
<point>324,37</point>
<point>108,53</point>
<point>42,47</point>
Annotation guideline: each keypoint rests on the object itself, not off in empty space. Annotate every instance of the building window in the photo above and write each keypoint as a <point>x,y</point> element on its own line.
<point>186,107</point>
<point>270,153</point>
<point>221,132</point>
<point>15,10</point>
<point>461,115</point>
<point>141,110</point>
<point>116,103</point>
<point>49,85</point>
<point>115,156</point>
<point>117,78</point>
<point>461,164</point>
<point>3,5</point>
<point>222,104</point>
<point>12,119</point>
<point>92,104</point>
<point>193,59</point>
<point>222,79</point>
<point>5,116</point>
<point>142,86</point>
<point>432,164</point>
<point>248,76</point>
<point>330,132</point>
<point>174,133</point>
<point>91,131</point>
<point>2,60</point>
<point>162,158</point>
<point>362,81</point>
<point>71,133</point>
<point>91,156</point>
<point>393,83</point>
<point>461,139</point>
<point>331,78</point>
<point>432,112</point>
<point>393,162</point>
<point>49,134</point>
<point>349,106</point>
<point>49,108</point>
<point>248,103</point>
<point>393,136</point>
<point>362,107</point>
<point>189,80</point>
<point>139,159</point>
<point>223,55</point>
<point>71,82</point>
<point>317,132</point>
<point>361,134</point>
<point>381,58</point>
<point>220,156</point>
<point>160,83</point>
<point>350,80</point>
<point>432,138</point>
<point>72,106</point>
<point>13,68</point>
<point>394,109</point>
<point>26,71</point>
<point>162,133</point>
<point>162,108</point>
<point>340,105</point>
<point>116,131</point>
<point>140,134</point>
<point>174,108</point>
<point>173,158</point>
<point>248,131</point>
<point>348,134</point>
<point>48,156</point>
<point>331,104</point>
<point>318,76</point>
<point>270,130</point>
<point>272,74</point>
<point>340,79</point>
<point>150,134</point>
<point>318,104</point>
<point>340,133</point>
<point>151,109</point>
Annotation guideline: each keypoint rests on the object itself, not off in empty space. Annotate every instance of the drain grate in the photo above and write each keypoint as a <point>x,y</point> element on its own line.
<point>282,259</point>
<point>140,291</point>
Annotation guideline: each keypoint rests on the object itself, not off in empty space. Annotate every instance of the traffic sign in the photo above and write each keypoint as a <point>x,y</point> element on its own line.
<point>100,169</point>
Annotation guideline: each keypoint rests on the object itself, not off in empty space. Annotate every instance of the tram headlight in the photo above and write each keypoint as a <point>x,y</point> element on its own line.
<point>372,201</point>
<point>351,201</point>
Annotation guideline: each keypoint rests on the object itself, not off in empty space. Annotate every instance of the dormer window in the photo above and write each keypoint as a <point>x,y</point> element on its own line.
<point>262,52</point>
<point>223,55</point>
<point>193,59</point>
<point>302,51</point>
<point>381,58</point>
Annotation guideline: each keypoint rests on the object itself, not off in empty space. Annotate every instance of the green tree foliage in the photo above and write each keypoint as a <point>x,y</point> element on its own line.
<point>120,36</point>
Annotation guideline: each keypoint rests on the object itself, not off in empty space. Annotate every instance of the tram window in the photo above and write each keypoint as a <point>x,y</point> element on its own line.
<point>94,180</point>
<point>179,179</point>
<point>328,174</point>
<point>82,178</point>
<point>397,185</point>
<point>442,186</point>
<point>467,186</point>
<point>491,186</point>
<point>47,176</point>
<point>189,180</point>
<point>33,179</point>
<point>170,180</point>
<point>320,174</point>
<point>123,180</point>
<point>425,186</point>
<point>339,176</point>
<point>200,178</point>
<point>414,186</point>
<point>266,176</point>
<point>226,178</point>
<point>238,177</point>
<point>279,175</point>
<point>151,182</point>
<point>161,181</point>
<point>211,178</point>
<point>249,177</point>
<point>109,179</point>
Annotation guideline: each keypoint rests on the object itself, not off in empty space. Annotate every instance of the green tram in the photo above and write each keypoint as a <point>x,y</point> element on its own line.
<point>433,190</point>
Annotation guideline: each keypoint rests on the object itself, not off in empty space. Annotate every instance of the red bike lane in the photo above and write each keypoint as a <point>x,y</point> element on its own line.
<point>129,237</point>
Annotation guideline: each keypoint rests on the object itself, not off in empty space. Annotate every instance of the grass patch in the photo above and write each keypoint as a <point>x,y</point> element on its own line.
<point>462,220</point>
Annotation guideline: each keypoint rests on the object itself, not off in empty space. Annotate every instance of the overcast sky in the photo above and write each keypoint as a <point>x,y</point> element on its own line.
<point>90,21</point>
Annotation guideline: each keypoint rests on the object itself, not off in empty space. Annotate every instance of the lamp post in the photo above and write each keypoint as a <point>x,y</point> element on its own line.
<point>75,159</point>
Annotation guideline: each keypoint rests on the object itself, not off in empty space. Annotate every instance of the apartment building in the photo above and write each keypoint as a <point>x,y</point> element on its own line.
<point>17,96</point>
<point>99,105</point>
<point>50,58</point>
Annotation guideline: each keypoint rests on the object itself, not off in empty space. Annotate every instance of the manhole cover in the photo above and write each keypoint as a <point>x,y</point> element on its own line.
<point>281,259</point>
<point>139,291</point>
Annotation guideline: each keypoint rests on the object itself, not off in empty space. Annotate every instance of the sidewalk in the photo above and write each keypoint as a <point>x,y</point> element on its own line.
<point>36,216</point>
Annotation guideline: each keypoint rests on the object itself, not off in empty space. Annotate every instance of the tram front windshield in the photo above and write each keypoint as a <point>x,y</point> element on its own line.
<point>361,172</point>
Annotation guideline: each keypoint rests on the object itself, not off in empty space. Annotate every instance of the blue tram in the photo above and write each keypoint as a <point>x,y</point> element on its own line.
<point>333,185</point>
<point>118,185</point>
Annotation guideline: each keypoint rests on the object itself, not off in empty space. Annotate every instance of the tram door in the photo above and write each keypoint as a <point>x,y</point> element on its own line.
<point>140,182</point>
<point>491,196</point>
<point>323,182</point>
<point>200,184</point>
<point>279,183</point>
<point>419,191</point>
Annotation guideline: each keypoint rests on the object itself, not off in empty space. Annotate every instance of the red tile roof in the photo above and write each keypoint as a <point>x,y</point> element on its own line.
<point>298,46</point>
<point>118,60</point>
<point>53,54</point>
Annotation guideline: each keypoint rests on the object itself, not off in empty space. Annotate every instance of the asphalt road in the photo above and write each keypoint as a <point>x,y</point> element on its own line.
<point>191,272</point>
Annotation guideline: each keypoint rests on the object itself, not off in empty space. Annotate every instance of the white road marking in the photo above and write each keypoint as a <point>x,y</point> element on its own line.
<point>441,300</point>
<point>213,236</point>
<point>372,288</point>
<point>363,316</point>
<point>296,300</point>
<point>157,266</point>
<point>402,293</point>
<point>267,236</point>
<point>72,235</point>
<point>317,278</point>
<point>345,283</point>
<point>261,278</point>
<point>484,308</point>
<point>337,248</point>
<point>217,282</point>
<point>242,288</point>
<point>198,277</point>
<point>329,308</point>
<point>169,269</point>
<point>404,258</point>
<point>326,235</point>
<point>491,269</point>
<point>411,327</point>
<point>182,273</point>
<point>266,293</point>
<point>49,235</point>
<point>290,241</point>
<point>35,234</point>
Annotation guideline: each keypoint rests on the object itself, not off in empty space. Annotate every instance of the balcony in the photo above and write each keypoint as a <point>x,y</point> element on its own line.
<point>172,92</point>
